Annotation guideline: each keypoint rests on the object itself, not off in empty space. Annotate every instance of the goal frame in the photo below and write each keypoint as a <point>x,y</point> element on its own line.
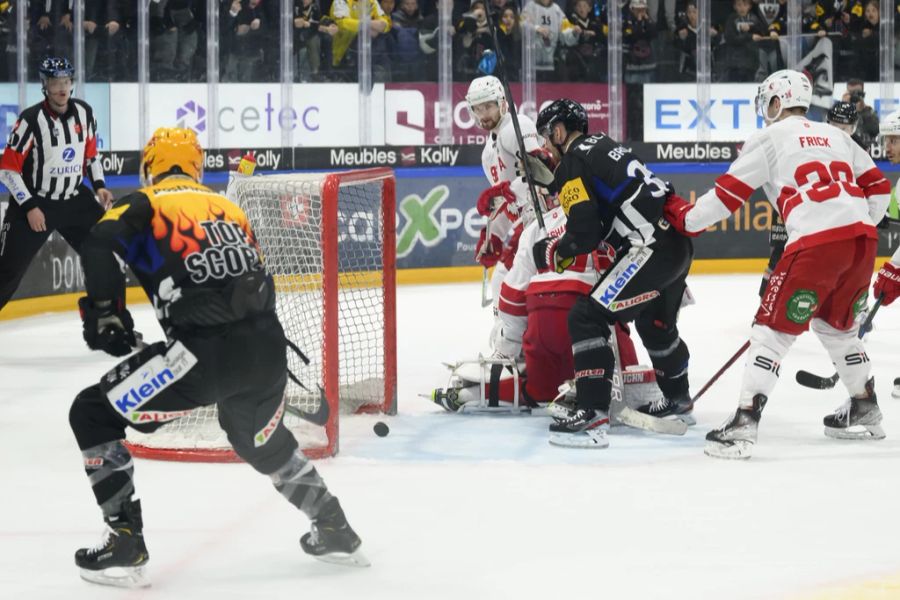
<point>330,190</point>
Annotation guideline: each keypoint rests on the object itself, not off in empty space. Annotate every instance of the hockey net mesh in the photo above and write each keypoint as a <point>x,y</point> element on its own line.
<point>289,215</point>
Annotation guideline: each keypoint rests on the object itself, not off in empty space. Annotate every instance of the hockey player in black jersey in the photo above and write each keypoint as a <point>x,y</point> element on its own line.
<point>609,194</point>
<point>196,257</point>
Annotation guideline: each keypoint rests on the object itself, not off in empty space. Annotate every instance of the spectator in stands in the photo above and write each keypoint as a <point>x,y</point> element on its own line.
<point>867,50</point>
<point>312,39</point>
<point>637,41</point>
<point>686,30</point>
<point>383,47</point>
<point>105,48</point>
<point>551,28</point>
<point>586,60</point>
<point>741,56</point>
<point>774,16</point>
<point>346,14</point>
<point>51,30</point>
<point>174,37</point>
<point>408,59</point>
<point>509,36</point>
<point>867,128</point>
<point>7,41</point>
<point>250,28</point>
<point>473,37</point>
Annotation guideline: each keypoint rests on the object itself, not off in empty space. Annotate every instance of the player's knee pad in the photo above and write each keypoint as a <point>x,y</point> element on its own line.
<point>767,348</point>
<point>299,482</point>
<point>92,419</point>
<point>848,354</point>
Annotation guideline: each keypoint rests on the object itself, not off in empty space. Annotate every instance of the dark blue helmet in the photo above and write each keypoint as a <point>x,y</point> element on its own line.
<point>56,67</point>
<point>565,111</point>
<point>844,113</point>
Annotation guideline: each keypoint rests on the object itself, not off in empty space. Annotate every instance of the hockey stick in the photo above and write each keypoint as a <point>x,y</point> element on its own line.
<point>501,75</point>
<point>724,368</point>
<point>811,380</point>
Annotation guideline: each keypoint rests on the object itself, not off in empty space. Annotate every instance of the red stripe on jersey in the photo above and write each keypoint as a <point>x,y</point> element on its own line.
<point>734,186</point>
<point>516,310</point>
<point>559,286</point>
<point>873,183</point>
<point>787,200</point>
<point>730,201</point>
<point>90,148</point>
<point>845,232</point>
<point>12,160</point>
<point>512,294</point>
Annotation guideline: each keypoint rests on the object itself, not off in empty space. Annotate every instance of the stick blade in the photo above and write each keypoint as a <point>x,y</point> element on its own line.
<point>811,380</point>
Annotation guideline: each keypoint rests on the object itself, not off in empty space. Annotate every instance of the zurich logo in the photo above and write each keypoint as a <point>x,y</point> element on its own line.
<point>192,115</point>
<point>68,154</point>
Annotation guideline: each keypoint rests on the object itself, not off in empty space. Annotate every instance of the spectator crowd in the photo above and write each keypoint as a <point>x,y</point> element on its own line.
<point>570,38</point>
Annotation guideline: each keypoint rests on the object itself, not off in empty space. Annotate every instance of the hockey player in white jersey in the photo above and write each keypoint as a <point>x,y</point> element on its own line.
<point>830,195</point>
<point>506,203</point>
<point>887,284</point>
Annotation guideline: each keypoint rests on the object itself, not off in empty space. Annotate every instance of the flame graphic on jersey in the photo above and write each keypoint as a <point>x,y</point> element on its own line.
<point>182,217</point>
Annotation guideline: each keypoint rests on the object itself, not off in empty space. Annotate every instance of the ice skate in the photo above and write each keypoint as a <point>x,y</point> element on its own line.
<point>736,437</point>
<point>582,428</point>
<point>680,407</point>
<point>331,539</point>
<point>120,558</point>
<point>447,399</point>
<point>857,418</point>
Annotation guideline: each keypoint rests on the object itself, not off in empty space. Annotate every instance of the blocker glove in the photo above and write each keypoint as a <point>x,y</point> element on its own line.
<point>546,257</point>
<point>107,326</point>
<point>887,284</point>
<point>675,211</point>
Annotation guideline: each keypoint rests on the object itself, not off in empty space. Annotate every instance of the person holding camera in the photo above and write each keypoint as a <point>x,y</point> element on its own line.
<point>867,127</point>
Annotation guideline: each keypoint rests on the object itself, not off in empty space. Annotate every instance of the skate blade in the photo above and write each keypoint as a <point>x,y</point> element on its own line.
<point>638,420</point>
<point>124,577</point>
<point>592,438</point>
<point>738,450</point>
<point>857,432</point>
<point>354,559</point>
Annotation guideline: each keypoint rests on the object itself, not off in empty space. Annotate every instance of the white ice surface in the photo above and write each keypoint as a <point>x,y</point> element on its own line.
<point>462,507</point>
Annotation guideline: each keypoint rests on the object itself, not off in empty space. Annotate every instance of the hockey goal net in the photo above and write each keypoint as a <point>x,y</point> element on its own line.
<point>328,239</point>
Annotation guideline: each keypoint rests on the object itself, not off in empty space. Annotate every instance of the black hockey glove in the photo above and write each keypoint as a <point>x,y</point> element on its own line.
<point>108,326</point>
<point>545,256</point>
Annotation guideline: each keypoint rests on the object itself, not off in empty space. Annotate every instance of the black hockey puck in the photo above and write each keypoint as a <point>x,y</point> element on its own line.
<point>381,429</point>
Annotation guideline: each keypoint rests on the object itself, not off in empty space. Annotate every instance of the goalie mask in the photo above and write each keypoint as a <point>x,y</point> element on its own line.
<point>792,88</point>
<point>171,151</point>
<point>482,91</point>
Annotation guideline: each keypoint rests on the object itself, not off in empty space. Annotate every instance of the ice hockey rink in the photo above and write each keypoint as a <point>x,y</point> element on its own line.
<point>475,507</point>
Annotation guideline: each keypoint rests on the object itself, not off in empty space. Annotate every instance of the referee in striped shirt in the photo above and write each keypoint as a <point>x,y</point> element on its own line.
<point>53,145</point>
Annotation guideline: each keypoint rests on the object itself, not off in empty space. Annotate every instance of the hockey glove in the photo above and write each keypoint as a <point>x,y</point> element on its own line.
<point>675,211</point>
<point>108,326</point>
<point>546,257</point>
<point>887,284</point>
<point>488,253</point>
<point>604,257</point>
<point>485,205</point>
<point>537,162</point>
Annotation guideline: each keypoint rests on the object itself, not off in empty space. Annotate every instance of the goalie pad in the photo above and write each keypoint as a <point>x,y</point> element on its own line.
<point>486,384</point>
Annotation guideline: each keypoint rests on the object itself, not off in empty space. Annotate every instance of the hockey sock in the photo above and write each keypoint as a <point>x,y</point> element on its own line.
<point>594,362</point>
<point>110,470</point>
<point>848,355</point>
<point>767,348</point>
<point>299,482</point>
<point>670,362</point>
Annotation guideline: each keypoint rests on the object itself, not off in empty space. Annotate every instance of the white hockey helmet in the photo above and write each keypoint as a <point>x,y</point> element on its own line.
<point>890,125</point>
<point>792,88</point>
<point>486,89</point>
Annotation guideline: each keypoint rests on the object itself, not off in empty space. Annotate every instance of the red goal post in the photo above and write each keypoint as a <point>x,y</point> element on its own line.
<point>329,240</point>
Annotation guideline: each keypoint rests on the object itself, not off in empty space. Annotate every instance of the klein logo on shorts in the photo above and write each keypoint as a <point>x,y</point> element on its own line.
<point>68,154</point>
<point>801,306</point>
<point>613,289</point>
<point>141,394</point>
